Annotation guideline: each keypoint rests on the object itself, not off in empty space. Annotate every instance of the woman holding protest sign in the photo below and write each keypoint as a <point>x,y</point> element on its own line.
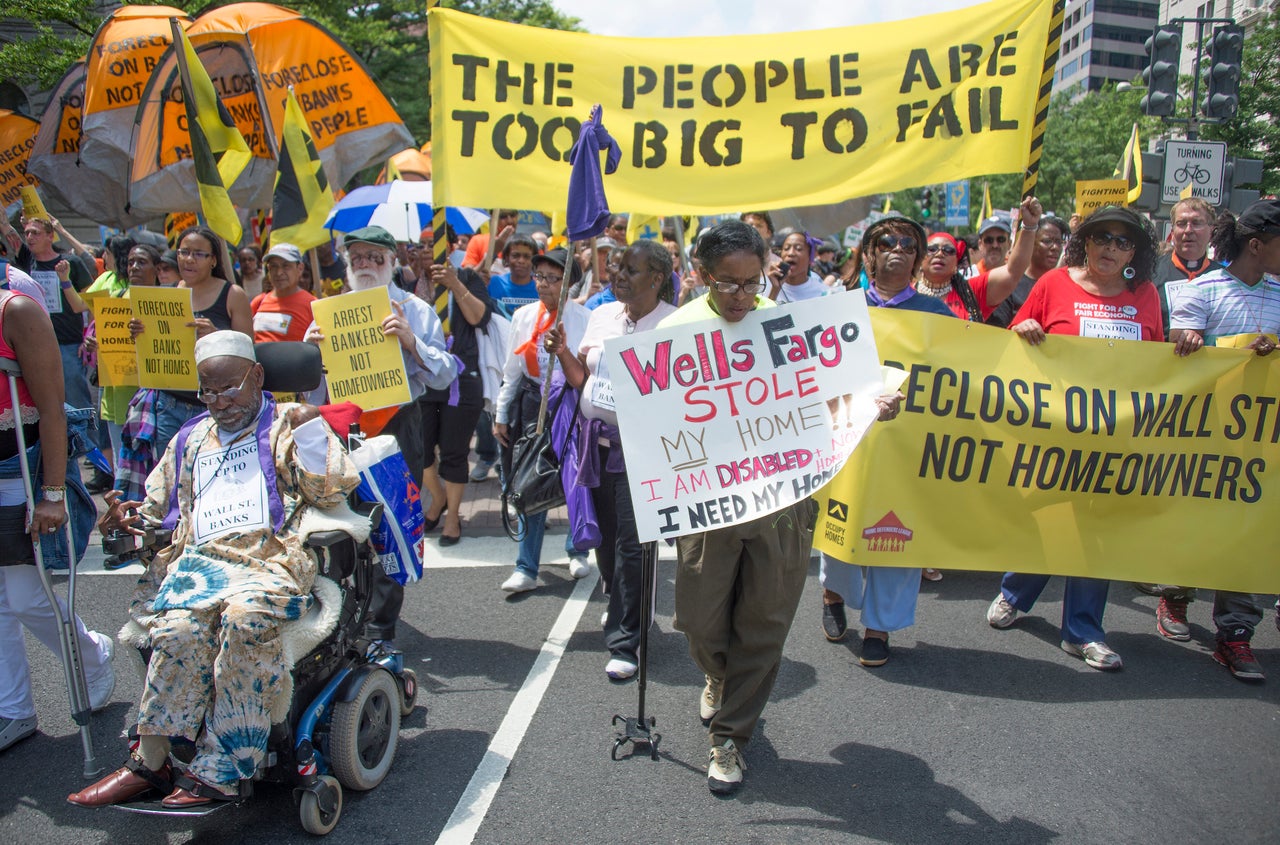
<point>1104,291</point>
<point>520,397</point>
<point>644,291</point>
<point>891,253</point>
<point>154,416</point>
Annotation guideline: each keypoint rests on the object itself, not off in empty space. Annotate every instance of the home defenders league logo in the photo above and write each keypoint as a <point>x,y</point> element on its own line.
<point>887,535</point>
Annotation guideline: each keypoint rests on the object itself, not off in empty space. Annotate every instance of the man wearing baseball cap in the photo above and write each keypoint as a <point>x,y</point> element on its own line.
<point>284,312</point>
<point>995,235</point>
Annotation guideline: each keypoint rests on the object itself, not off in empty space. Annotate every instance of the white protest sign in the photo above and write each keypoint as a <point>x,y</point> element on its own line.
<point>727,422</point>
<point>232,491</point>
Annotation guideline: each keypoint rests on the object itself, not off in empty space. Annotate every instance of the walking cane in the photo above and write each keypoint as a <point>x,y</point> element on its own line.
<point>639,730</point>
<point>551,364</point>
<point>72,665</point>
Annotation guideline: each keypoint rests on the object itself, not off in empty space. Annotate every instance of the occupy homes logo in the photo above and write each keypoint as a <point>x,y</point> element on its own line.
<point>838,511</point>
<point>887,535</point>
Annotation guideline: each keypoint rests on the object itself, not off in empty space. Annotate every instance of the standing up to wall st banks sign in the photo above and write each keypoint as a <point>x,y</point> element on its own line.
<point>737,587</point>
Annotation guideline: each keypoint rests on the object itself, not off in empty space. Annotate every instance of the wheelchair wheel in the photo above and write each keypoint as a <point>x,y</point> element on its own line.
<point>365,731</point>
<point>410,697</point>
<point>314,819</point>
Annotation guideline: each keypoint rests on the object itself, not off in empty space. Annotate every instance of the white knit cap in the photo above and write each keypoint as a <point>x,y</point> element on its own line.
<point>232,343</point>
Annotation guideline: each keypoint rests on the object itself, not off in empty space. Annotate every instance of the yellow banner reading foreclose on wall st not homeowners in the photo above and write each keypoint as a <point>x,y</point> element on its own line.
<point>362,365</point>
<point>710,125</point>
<point>1108,459</point>
<point>166,349</point>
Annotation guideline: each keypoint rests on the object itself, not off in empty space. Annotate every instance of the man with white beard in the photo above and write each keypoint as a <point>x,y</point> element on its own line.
<point>370,257</point>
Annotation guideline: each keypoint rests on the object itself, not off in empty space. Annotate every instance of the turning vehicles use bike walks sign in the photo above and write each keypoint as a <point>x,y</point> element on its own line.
<point>1199,165</point>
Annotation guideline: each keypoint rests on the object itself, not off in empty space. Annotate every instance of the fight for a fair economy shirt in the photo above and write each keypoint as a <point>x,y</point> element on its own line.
<point>1061,306</point>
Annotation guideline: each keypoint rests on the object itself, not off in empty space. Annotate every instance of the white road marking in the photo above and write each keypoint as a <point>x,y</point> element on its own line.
<point>474,804</point>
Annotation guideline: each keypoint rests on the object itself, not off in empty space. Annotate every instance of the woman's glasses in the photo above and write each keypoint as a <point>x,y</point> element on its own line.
<point>888,242</point>
<point>1124,244</point>
<point>946,249</point>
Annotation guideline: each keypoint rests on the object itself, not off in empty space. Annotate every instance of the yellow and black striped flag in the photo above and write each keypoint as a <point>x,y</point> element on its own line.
<point>218,149</point>
<point>303,198</point>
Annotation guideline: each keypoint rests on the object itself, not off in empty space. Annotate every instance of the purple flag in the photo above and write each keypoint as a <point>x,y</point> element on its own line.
<point>588,210</point>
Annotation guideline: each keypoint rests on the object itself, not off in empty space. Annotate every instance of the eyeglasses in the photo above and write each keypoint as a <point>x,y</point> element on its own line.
<point>1122,243</point>
<point>1051,241</point>
<point>544,279</point>
<point>197,254</point>
<point>367,258</point>
<point>945,249</point>
<point>995,240</point>
<point>749,288</point>
<point>208,397</point>
<point>621,227</point>
<point>888,242</point>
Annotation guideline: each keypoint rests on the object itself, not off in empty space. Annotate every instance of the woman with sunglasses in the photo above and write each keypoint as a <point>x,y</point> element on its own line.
<point>974,298</point>
<point>1104,291</point>
<point>891,253</point>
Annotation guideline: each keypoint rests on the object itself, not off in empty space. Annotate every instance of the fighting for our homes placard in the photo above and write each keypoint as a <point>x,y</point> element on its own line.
<point>362,364</point>
<point>708,125</point>
<point>1092,194</point>
<point>166,349</point>
<point>1102,458</point>
<point>117,361</point>
<point>727,422</point>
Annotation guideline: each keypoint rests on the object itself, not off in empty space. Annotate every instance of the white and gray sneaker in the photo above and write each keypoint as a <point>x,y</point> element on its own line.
<point>13,731</point>
<point>1097,655</point>
<point>519,583</point>
<point>709,702</point>
<point>724,768</point>
<point>578,566</point>
<point>1001,614</point>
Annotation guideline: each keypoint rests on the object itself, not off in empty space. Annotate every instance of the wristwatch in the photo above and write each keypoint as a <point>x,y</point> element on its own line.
<point>53,494</point>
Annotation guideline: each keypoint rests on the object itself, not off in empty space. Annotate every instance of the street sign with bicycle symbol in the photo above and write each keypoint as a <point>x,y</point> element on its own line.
<point>1193,168</point>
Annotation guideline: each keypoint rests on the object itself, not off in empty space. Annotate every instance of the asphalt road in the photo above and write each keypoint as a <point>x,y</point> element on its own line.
<point>968,734</point>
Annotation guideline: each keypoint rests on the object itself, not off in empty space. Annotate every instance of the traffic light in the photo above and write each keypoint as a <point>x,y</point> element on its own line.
<point>1226,50</point>
<point>926,203</point>
<point>1161,74</point>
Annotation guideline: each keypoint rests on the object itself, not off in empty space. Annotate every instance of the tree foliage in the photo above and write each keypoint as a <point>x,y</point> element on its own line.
<point>389,37</point>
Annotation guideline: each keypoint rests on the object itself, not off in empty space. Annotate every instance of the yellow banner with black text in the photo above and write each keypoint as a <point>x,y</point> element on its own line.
<point>1102,458</point>
<point>710,125</point>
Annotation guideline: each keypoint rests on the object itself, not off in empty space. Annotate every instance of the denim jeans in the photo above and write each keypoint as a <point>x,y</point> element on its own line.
<point>171,413</point>
<point>486,443</point>
<point>1083,601</point>
<point>78,394</point>
<point>530,554</point>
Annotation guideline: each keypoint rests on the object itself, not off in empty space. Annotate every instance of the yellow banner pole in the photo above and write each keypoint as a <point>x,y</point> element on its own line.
<point>1051,47</point>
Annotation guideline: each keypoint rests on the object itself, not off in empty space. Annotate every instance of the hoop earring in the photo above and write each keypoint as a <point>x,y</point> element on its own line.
<point>1129,272</point>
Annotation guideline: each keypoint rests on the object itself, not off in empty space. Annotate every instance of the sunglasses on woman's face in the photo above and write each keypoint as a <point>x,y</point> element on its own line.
<point>1122,243</point>
<point>888,242</point>
<point>946,249</point>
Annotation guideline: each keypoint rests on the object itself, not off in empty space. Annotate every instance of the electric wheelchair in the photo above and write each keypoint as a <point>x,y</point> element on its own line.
<point>343,719</point>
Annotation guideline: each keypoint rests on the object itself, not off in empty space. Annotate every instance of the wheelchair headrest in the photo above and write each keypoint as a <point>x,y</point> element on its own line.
<point>289,366</point>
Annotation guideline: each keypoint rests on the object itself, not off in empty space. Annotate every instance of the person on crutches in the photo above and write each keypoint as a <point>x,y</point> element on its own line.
<point>34,420</point>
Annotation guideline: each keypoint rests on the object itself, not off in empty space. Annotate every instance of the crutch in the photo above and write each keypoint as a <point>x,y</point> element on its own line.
<point>639,730</point>
<point>72,665</point>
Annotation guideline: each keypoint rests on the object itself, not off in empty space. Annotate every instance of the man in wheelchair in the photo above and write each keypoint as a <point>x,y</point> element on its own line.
<point>232,488</point>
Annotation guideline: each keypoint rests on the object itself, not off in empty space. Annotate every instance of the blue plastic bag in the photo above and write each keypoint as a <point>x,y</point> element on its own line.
<point>385,479</point>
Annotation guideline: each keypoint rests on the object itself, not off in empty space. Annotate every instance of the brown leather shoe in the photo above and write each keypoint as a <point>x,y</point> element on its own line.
<point>189,792</point>
<point>125,783</point>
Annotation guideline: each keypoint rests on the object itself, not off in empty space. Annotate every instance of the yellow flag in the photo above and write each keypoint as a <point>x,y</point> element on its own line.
<point>1130,166</point>
<point>987,209</point>
<point>217,147</point>
<point>303,198</point>
<point>643,227</point>
<point>559,224</point>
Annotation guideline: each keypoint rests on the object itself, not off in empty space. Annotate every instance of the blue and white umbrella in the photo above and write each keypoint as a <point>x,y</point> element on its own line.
<point>402,208</point>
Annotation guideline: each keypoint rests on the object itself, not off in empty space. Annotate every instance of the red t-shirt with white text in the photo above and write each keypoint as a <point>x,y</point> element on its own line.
<point>1061,306</point>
